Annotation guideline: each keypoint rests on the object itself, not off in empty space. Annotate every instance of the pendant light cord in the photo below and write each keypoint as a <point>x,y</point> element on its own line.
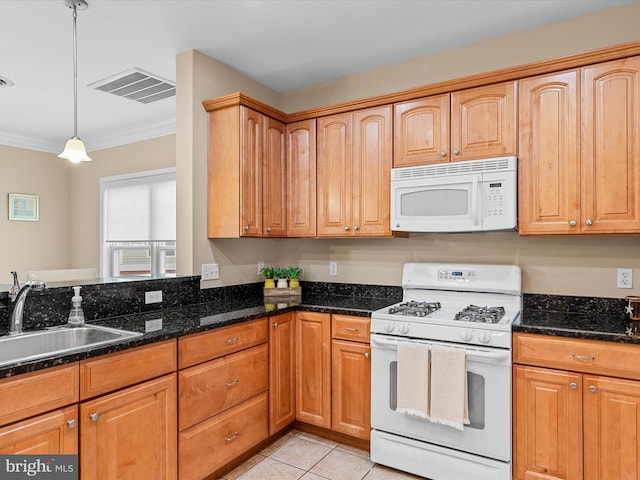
<point>75,75</point>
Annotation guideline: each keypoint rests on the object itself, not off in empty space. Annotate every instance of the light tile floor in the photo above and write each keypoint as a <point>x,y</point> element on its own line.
<point>303,456</point>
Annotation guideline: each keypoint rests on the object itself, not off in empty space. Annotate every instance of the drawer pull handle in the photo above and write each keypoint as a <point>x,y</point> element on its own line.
<point>232,437</point>
<point>94,417</point>
<point>592,389</point>
<point>573,386</point>
<point>231,340</point>
<point>232,384</point>
<point>351,329</point>
<point>71,423</point>
<point>589,358</point>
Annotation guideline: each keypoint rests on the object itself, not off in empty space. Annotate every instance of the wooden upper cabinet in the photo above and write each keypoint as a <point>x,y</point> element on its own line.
<point>464,125</point>
<point>301,178</point>
<point>421,131</point>
<point>246,174</point>
<point>483,122</point>
<point>579,160</point>
<point>611,147</point>
<point>354,162</point>
<point>274,180</point>
<point>549,160</point>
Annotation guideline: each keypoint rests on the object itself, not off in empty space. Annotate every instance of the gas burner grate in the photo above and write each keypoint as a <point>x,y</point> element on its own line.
<point>415,309</point>
<point>474,313</point>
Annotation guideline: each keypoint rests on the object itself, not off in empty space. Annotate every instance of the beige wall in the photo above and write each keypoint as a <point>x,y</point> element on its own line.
<point>570,265</point>
<point>37,245</point>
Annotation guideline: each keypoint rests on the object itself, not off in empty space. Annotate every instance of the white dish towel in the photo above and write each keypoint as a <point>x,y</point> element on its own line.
<point>449,401</point>
<point>413,379</point>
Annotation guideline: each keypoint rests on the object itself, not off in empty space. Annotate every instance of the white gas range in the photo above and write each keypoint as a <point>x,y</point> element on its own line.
<point>455,306</point>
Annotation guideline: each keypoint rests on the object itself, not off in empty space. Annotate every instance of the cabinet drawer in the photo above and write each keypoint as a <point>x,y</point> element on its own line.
<point>119,370</point>
<point>222,341</point>
<point>208,389</point>
<point>588,356</point>
<point>346,327</point>
<point>37,392</point>
<point>215,442</point>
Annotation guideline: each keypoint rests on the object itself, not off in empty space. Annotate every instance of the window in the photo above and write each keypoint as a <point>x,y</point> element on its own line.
<point>138,223</point>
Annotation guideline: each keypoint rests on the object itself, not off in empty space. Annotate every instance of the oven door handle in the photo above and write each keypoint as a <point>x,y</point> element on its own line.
<point>471,353</point>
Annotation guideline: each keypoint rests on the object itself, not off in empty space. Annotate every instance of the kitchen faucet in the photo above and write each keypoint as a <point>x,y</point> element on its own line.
<point>15,322</point>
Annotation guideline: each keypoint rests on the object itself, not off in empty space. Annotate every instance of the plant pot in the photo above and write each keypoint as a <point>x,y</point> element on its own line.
<point>294,283</point>
<point>282,283</point>
<point>269,283</point>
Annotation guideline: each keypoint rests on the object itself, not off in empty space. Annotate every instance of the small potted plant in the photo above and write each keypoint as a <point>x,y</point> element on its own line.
<point>295,272</point>
<point>282,274</point>
<point>268,273</point>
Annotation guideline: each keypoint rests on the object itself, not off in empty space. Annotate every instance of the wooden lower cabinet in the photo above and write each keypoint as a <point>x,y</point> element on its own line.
<point>215,442</point>
<point>313,368</point>
<point>282,394</point>
<point>351,393</point>
<point>131,434</point>
<point>574,425</point>
<point>51,433</point>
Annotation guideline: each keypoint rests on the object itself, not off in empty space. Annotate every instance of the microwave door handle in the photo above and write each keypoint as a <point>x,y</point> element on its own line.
<point>474,200</point>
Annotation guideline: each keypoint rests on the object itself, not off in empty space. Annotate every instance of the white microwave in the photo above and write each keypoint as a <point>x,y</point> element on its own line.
<point>471,196</point>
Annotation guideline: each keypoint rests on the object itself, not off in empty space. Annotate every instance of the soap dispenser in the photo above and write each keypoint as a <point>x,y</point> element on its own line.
<point>76,316</point>
<point>15,287</point>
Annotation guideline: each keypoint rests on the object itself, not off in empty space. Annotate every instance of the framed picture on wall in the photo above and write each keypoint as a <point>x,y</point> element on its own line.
<point>24,207</point>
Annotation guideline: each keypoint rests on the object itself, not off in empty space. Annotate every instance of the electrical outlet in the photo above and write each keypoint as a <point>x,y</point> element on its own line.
<point>210,271</point>
<point>153,325</point>
<point>333,268</point>
<point>625,278</point>
<point>260,267</point>
<point>154,296</point>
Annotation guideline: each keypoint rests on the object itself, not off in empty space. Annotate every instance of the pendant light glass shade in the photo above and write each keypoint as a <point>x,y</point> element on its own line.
<point>74,149</point>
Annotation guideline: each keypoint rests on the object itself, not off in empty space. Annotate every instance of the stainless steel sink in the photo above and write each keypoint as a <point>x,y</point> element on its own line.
<point>54,341</point>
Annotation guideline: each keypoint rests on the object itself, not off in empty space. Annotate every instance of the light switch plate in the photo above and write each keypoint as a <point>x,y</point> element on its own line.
<point>210,271</point>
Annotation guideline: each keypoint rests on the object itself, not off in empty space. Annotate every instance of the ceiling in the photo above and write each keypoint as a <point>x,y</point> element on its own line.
<point>283,44</point>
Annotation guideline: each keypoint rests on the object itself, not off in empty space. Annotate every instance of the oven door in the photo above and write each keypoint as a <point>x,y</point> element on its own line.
<point>489,391</point>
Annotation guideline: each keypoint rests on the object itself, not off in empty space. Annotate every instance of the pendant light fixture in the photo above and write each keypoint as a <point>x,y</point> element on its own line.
<point>74,150</point>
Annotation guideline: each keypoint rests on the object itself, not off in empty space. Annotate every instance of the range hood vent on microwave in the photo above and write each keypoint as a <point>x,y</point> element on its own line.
<point>453,168</point>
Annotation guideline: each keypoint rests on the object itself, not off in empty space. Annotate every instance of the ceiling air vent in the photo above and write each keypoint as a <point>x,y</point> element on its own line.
<point>5,82</point>
<point>137,85</point>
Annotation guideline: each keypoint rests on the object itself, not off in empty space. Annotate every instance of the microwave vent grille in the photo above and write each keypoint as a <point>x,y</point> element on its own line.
<point>453,168</point>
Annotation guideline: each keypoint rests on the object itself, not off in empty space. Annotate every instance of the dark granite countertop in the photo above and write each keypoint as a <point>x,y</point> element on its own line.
<point>186,320</point>
<point>592,326</point>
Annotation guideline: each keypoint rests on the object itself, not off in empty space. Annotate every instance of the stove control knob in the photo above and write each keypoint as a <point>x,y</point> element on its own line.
<point>466,335</point>
<point>388,327</point>
<point>484,337</point>
<point>404,328</point>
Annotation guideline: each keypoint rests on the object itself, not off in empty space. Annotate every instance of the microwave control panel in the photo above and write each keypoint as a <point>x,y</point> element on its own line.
<point>495,199</point>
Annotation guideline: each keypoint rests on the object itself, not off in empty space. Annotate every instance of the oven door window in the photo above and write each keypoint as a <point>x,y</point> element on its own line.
<point>475,389</point>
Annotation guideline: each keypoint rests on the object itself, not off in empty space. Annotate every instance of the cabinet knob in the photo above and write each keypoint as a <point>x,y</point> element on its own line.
<point>268,229</point>
<point>94,417</point>
<point>275,324</point>
<point>232,383</point>
<point>246,228</point>
<point>232,437</point>
<point>71,423</point>
<point>593,388</point>
<point>573,223</point>
<point>366,355</point>
<point>573,386</point>
<point>443,154</point>
<point>456,152</point>
<point>346,228</point>
<point>356,228</point>
<point>588,221</point>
